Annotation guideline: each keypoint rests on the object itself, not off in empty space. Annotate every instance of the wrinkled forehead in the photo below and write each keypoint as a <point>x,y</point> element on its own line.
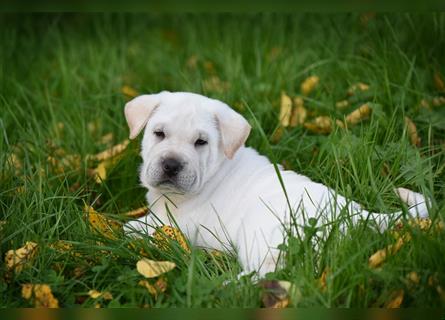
<point>184,115</point>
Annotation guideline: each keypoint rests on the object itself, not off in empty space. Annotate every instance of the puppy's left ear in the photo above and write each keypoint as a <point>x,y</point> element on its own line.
<point>138,111</point>
<point>233,127</point>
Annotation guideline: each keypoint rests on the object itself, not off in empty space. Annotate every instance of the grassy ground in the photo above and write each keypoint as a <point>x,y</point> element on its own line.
<point>70,69</point>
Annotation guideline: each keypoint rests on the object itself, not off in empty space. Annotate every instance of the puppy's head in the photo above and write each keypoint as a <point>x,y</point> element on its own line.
<point>187,137</point>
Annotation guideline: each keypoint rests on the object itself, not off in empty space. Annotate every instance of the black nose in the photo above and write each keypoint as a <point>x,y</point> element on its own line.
<point>171,166</point>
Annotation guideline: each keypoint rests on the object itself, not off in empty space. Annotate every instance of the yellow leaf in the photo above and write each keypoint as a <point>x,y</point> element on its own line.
<point>165,233</point>
<point>342,104</point>
<point>97,294</point>
<point>18,259</point>
<point>357,87</point>
<point>395,300</point>
<point>299,113</point>
<point>309,85</point>
<point>129,91</point>
<point>285,109</point>
<point>110,152</point>
<point>413,277</point>
<point>137,213</point>
<point>323,280</point>
<point>278,133</point>
<point>100,173</point>
<point>438,82</point>
<point>438,101</point>
<point>359,114</point>
<point>215,84</point>
<point>151,269</point>
<point>41,294</point>
<point>106,227</point>
<point>154,289</point>
<point>380,256</point>
<point>106,138</point>
<point>322,124</point>
<point>277,294</point>
<point>412,132</point>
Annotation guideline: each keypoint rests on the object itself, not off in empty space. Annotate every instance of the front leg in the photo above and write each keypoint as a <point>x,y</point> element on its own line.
<point>143,226</point>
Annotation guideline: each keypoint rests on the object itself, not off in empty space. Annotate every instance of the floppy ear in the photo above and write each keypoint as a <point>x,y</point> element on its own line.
<point>138,111</point>
<point>233,127</point>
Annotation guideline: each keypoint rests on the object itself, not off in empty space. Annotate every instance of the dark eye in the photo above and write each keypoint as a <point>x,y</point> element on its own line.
<point>200,142</point>
<point>159,134</point>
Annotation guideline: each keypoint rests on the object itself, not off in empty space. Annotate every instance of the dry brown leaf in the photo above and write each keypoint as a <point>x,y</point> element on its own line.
<point>413,277</point>
<point>276,294</point>
<point>323,280</point>
<point>357,87</point>
<point>276,136</point>
<point>106,295</point>
<point>129,91</point>
<point>192,62</point>
<point>322,124</point>
<point>380,256</point>
<point>309,85</point>
<point>110,152</point>
<point>438,101</point>
<point>103,225</point>
<point>215,84</point>
<point>154,289</point>
<point>359,114</point>
<point>152,269</point>
<point>285,109</point>
<point>18,259</point>
<point>41,294</point>
<point>166,233</point>
<point>395,299</point>
<point>412,132</point>
<point>439,82</point>
<point>137,213</point>
<point>299,113</point>
<point>342,104</point>
<point>107,138</point>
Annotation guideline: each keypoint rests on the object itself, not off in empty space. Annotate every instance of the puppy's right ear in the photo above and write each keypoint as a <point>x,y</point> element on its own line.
<point>138,111</point>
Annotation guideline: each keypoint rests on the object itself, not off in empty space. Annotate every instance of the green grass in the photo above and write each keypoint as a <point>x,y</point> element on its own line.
<point>71,68</point>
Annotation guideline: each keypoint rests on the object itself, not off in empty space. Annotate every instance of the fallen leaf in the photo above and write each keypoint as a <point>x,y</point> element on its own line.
<point>277,135</point>
<point>438,101</point>
<point>322,124</point>
<point>129,91</point>
<point>412,132</point>
<point>425,104</point>
<point>438,82</point>
<point>359,114</point>
<point>380,256</point>
<point>395,299</point>
<point>100,172</point>
<point>106,295</point>
<point>299,113</point>
<point>357,87</point>
<point>137,213</point>
<point>166,233</point>
<point>309,85</point>
<point>192,62</point>
<point>323,280</point>
<point>215,84</point>
<point>110,152</point>
<point>107,138</point>
<point>15,162</point>
<point>41,294</point>
<point>105,226</point>
<point>413,277</point>
<point>18,259</point>
<point>209,67</point>
<point>151,269</point>
<point>342,104</point>
<point>154,289</point>
<point>276,294</point>
<point>285,110</point>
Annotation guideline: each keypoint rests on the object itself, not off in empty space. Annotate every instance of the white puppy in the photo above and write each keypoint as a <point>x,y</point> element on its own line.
<point>220,193</point>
